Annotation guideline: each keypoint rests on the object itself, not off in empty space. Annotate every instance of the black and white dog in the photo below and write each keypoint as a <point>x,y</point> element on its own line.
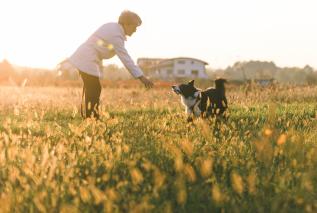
<point>204,103</point>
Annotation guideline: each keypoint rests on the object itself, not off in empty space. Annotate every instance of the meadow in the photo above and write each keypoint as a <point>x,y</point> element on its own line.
<point>144,157</point>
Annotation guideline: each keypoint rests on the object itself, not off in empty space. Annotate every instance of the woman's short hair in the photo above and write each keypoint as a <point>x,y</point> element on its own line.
<point>128,17</point>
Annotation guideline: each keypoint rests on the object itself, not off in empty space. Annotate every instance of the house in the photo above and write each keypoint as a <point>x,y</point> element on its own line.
<point>171,68</point>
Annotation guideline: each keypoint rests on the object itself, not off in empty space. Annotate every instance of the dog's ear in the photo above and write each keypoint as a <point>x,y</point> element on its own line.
<point>191,82</point>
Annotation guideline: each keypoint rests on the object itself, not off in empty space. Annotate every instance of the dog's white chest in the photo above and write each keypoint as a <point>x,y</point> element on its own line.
<point>191,105</point>
<point>188,102</point>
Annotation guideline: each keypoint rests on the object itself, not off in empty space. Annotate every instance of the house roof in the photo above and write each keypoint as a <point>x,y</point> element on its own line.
<point>186,58</point>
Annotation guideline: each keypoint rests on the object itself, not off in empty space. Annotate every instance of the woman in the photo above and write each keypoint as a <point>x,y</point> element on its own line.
<point>104,43</point>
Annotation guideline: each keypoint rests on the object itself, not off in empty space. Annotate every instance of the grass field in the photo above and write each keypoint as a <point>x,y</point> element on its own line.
<point>144,157</point>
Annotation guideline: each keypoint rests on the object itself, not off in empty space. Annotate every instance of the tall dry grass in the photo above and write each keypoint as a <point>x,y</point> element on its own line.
<point>144,157</point>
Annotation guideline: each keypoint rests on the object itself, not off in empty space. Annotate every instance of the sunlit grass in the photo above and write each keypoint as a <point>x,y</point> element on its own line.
<point>144,157</point>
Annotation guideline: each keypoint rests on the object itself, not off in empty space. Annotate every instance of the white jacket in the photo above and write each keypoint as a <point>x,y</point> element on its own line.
<point>106,42</point>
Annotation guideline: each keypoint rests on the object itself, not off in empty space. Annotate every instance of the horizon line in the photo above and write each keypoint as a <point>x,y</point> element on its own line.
<point>207,66</point>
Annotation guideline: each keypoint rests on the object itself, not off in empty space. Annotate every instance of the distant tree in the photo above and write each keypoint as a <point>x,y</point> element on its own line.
<point>311,78</point>
<point>6,70</point>
<point>114,72</point>
<point>262,70</point>
<point>308,69</point>
<point>243,71</point>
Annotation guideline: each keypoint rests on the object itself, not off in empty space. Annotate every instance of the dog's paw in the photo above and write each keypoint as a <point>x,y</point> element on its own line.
<point>189,119</point>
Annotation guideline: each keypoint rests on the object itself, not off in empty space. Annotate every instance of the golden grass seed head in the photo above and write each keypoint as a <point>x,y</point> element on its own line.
<point>237,183</point>
<point>190,173</point>
<point>187,147</point>
<point>136,175</point>
<point>206,168</point>
<point>251,181</point>
<point>281,139</point>
<point>84,194</point>
<point>216,194</point>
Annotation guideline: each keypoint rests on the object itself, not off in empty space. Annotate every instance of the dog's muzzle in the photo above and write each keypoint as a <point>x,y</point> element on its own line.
<point>176,90</point>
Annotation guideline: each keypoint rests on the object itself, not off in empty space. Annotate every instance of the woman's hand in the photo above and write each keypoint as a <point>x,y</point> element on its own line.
<point>147,83</point>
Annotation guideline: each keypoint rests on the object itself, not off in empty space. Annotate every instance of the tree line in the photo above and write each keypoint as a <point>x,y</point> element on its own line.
<point>239,72</point>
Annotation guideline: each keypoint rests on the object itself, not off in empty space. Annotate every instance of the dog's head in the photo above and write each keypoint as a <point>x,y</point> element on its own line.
<point>220,82</point>
<point>186,90</point>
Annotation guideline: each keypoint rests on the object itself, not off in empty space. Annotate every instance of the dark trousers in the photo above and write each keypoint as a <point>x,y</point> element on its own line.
<point>91,90</point>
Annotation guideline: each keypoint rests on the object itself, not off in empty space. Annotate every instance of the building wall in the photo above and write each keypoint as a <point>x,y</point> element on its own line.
<point>183,68</point>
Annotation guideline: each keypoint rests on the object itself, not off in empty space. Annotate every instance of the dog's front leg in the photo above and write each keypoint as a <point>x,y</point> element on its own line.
<point>189,119</point>
<point>189,113</point>
<point>203,105</point>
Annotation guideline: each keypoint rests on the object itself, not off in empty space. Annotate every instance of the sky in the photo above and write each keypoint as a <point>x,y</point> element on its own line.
<point>41,33</point>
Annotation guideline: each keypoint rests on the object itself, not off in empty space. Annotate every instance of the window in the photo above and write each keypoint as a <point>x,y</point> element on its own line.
<point>195,72</point>
<point>181,72</point>
<point>181,62</point>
